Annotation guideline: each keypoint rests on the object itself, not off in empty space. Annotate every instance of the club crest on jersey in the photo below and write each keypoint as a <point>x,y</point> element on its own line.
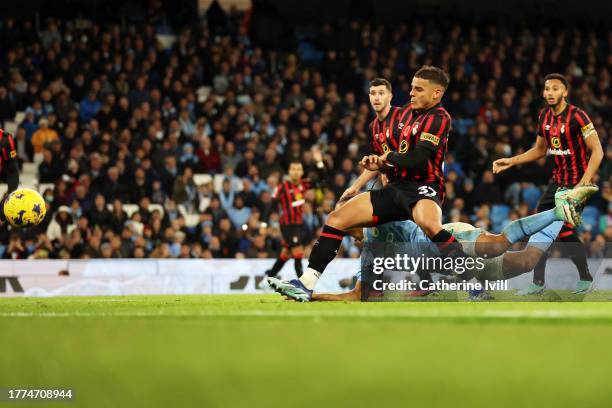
<point>400,126</point>
<point>415,129</point>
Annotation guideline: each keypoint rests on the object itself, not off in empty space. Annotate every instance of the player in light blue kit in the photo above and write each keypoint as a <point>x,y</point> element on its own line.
<point>476,243</point>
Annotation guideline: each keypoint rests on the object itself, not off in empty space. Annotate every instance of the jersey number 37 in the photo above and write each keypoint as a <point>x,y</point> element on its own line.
<point>427,191</point>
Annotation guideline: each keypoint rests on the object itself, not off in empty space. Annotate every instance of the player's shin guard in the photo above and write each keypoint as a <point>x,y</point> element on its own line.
<point>524,227</point>
<point>325,249</point>
<point>576,251</point>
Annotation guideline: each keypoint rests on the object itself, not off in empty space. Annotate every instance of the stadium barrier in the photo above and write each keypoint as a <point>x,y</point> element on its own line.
<point>43,278</point>
<point>149,276</point>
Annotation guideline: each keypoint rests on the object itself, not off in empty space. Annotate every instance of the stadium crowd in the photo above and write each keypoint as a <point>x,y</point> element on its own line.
<point>117,116</point>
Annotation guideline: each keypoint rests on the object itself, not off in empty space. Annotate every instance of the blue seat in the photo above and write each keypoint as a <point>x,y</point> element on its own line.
<point>531,196</point>
<point>499,214</point>
<point>590,216</point>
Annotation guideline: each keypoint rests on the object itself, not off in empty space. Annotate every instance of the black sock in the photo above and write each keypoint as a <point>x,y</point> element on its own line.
<point>540,268</point>
<point>298,267</point>
<point>449,247</point>
<point>447,244</point>
<point>325,249</point>
<point>424,276</point>
<point>577,252</point>
<point>278,265</point>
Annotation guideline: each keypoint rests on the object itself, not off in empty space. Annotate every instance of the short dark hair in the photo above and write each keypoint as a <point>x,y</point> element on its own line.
<point>295,161</point>
<point>559,77</point>
<point>433,74</point>
<point>379,82</point>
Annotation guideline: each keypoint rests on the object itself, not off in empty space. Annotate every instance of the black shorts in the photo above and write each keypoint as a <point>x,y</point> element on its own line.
<point>395,201</point>
<point>292,235</point>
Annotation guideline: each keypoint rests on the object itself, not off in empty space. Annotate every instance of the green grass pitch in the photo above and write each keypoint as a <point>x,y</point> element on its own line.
<point>261,351</point>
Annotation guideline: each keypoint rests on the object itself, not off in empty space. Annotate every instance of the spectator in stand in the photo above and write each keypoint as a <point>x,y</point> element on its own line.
<point>43,136</point>
<point>132,118</point>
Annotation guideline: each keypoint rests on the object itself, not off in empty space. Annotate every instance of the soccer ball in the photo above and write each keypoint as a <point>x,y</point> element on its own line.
<point>24,207</point>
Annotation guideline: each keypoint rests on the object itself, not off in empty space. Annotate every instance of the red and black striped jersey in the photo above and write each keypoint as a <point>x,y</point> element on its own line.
<point>411,128</point>
<point>385,135</point>
<point>565,135</point>
<point>7,148</point>
<point>291,199</point>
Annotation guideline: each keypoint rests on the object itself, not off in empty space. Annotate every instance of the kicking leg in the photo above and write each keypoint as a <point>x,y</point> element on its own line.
<point>428,216</point>
<point>492,245</point>
<point>357,212</point>
<point>515,263</point>
<point>533,257</point>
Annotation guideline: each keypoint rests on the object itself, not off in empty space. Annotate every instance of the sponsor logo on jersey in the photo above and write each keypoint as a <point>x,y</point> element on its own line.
<point>430,138</point>
<point>558,152</point>
<point>403,148</point>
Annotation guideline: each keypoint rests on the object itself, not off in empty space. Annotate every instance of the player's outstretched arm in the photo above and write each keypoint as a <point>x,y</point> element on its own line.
<point>351,296</point>
<point>535,153</point>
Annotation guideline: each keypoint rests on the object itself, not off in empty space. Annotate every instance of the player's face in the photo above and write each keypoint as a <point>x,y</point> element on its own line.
<point>554,92</point>
<point>296,172</point>
<point>380,98</point>
<point>424,93</point>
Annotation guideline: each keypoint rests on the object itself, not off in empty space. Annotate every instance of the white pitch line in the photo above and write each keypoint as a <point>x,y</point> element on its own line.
<point>492,314</point>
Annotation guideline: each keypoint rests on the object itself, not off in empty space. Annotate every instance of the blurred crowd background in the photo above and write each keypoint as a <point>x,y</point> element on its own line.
<point>154,139</point>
